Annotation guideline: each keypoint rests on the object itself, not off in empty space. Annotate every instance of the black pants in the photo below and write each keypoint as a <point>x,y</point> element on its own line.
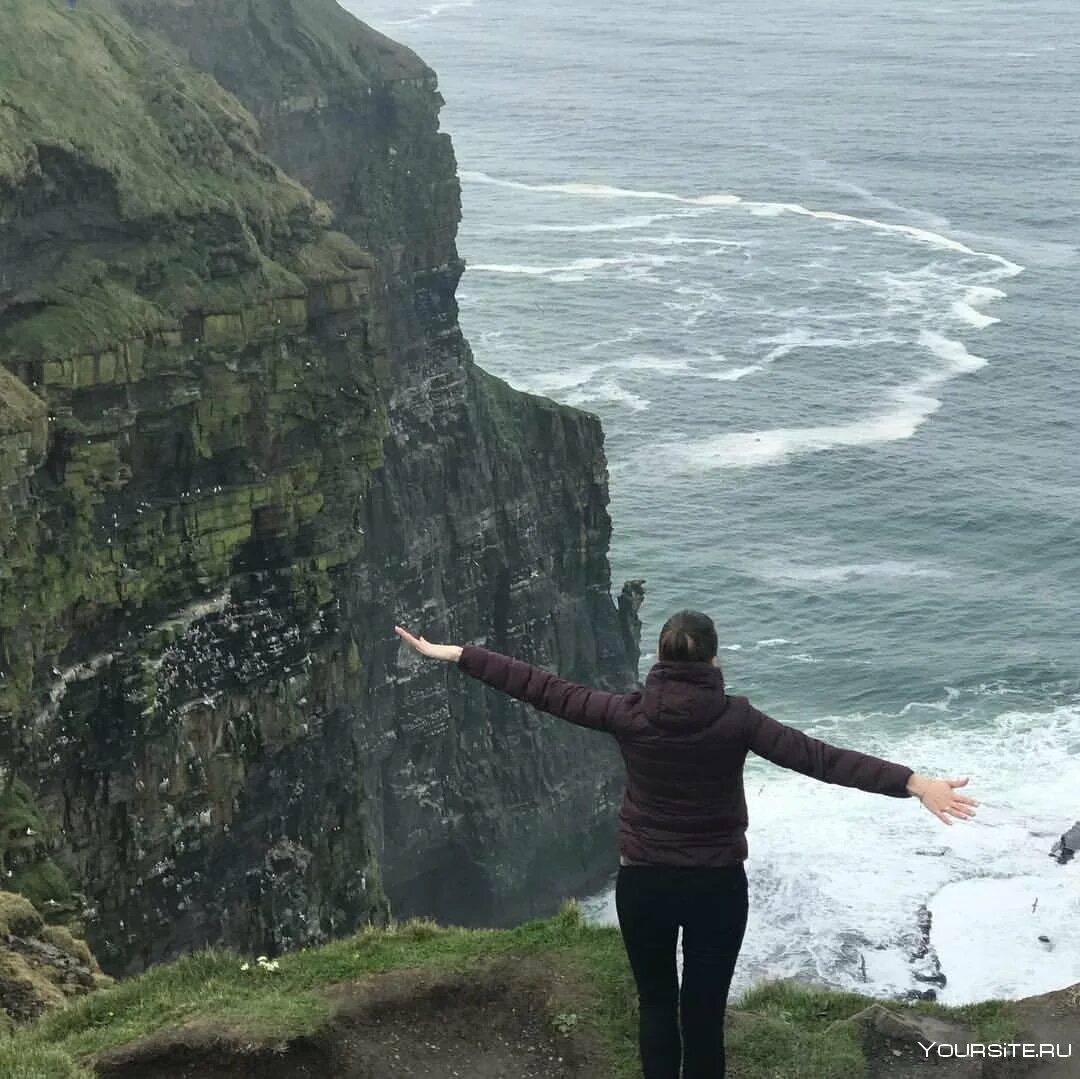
<point>711,906</point>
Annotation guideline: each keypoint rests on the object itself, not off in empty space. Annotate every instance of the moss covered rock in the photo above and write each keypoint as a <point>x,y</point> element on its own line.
<point>40,966</point>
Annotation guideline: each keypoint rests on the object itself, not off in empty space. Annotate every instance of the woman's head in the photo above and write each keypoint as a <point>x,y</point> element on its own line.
<point>688,636</point>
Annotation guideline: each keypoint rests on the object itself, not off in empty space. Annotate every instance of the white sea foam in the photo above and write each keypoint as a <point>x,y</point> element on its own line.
<point>579,269</point>
<point>958,361</point>
<point>648,362</point>
<point>967,309</point>
<point>801,337</point>
<point>431,12</point>
<point>980,294</point>
<point>620,224</point>
<point>734,374</point>
<point>845,573</point>
<point>671,240</point>
<point>820,855</point>
<point>580,190</point>
<point>628,334</point>
<point>544,271</point>
<point>603,191</point>
<point>590,382</point>
<point>966,313</point>
<point>906,408</point>
<point>549,382</point>
<point>609,390</point>
<point>987,933</point>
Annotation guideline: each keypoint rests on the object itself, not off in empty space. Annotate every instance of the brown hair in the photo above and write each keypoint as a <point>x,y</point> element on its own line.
<point>688,637</point>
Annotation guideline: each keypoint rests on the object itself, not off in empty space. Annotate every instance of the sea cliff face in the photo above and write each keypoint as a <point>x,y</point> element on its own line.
<point>241,435</point>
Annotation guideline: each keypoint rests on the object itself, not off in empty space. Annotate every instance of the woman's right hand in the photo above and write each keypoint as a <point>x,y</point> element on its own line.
<point>940,797</point>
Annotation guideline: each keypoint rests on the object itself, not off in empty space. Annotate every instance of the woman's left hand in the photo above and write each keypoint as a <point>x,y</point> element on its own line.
<point>449,652</point>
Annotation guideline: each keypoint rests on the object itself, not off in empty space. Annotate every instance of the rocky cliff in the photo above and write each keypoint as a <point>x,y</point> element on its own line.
<point>241,436</point>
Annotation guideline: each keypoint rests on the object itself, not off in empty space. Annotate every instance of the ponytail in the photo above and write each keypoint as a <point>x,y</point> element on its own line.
<point>688,637</point>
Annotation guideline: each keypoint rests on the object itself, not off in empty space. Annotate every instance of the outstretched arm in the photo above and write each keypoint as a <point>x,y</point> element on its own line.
<point>791,748</point>
<point>578,704</point>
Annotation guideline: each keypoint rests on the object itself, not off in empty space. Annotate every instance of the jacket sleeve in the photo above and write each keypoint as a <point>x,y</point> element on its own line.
<point>585,707</point>
<point>791,748</point>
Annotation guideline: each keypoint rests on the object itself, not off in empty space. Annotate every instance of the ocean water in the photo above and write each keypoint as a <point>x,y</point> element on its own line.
<point>816,268</point>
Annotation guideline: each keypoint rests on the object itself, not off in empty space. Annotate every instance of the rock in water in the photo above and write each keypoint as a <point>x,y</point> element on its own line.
<point>1065,849</point>
<point>631,598</point>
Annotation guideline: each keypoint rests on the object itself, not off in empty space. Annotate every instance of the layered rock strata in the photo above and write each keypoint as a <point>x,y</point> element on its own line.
<point>241,435</point>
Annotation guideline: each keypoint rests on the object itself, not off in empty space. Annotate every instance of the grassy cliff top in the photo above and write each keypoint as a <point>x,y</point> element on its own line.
<point>580,1009</point>
<point>134,189</point>
<point>171,140</point>
<point>20,410</point>
<point>281,51</point>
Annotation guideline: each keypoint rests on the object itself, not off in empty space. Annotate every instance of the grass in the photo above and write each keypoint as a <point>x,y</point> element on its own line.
<point>776,1029</point>
<point>163,155</point>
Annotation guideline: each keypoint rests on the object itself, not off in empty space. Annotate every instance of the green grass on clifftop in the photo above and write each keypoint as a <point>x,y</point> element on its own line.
<point>778,1029</point>
<point>171,204</point>
<point>169,138</point>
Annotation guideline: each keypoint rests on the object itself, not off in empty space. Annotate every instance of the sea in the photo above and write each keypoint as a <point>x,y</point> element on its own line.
<point>815,266</point>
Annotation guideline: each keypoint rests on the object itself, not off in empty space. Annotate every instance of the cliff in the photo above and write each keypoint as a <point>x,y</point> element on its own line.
<point>241,435</point>
<point>552,999</point>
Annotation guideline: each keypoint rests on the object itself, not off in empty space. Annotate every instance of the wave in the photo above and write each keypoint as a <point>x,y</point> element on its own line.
<point>793,340</point>
<point>773,209</point>
<point>542,271</point>
<point>432,12</point>
<point>967,309</point>
<point>554,381</point>
<point>799,824</point>
<point>906,409</point>
<point>608,391</point>
<point>789,573</point>
<point>903,409</point>
<point>801,337</point>
<point>966,313</point>
<point>825,171</point>
<point>595,191</point>
<point>620,224</point>
<point>627,335</point>
<point>646,362</point>
<point>734,374</point>
<point>577,269</point>
<point>576,378</point>
<point>979,294</point>
<point>672,240</point>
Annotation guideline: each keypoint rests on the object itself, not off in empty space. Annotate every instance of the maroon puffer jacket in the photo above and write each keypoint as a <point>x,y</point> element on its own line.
<point>684,741</point>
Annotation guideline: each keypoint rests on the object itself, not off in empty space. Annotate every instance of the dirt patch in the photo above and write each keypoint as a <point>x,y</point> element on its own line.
<point>507,1019</point>
<point>891,1042</point>
<point>1050,1019</point>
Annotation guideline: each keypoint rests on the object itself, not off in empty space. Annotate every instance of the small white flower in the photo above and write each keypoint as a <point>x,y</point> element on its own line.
<point>245,966</point>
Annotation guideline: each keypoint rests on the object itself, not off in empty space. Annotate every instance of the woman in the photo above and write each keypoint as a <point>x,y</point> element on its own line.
<point>682,824</point>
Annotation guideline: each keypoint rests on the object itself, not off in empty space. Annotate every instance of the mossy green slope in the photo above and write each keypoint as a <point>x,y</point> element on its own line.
<point>172,140</point>
<point>174,160</point>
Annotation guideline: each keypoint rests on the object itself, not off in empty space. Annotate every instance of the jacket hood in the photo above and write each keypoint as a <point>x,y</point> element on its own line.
<point>683,696</point>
